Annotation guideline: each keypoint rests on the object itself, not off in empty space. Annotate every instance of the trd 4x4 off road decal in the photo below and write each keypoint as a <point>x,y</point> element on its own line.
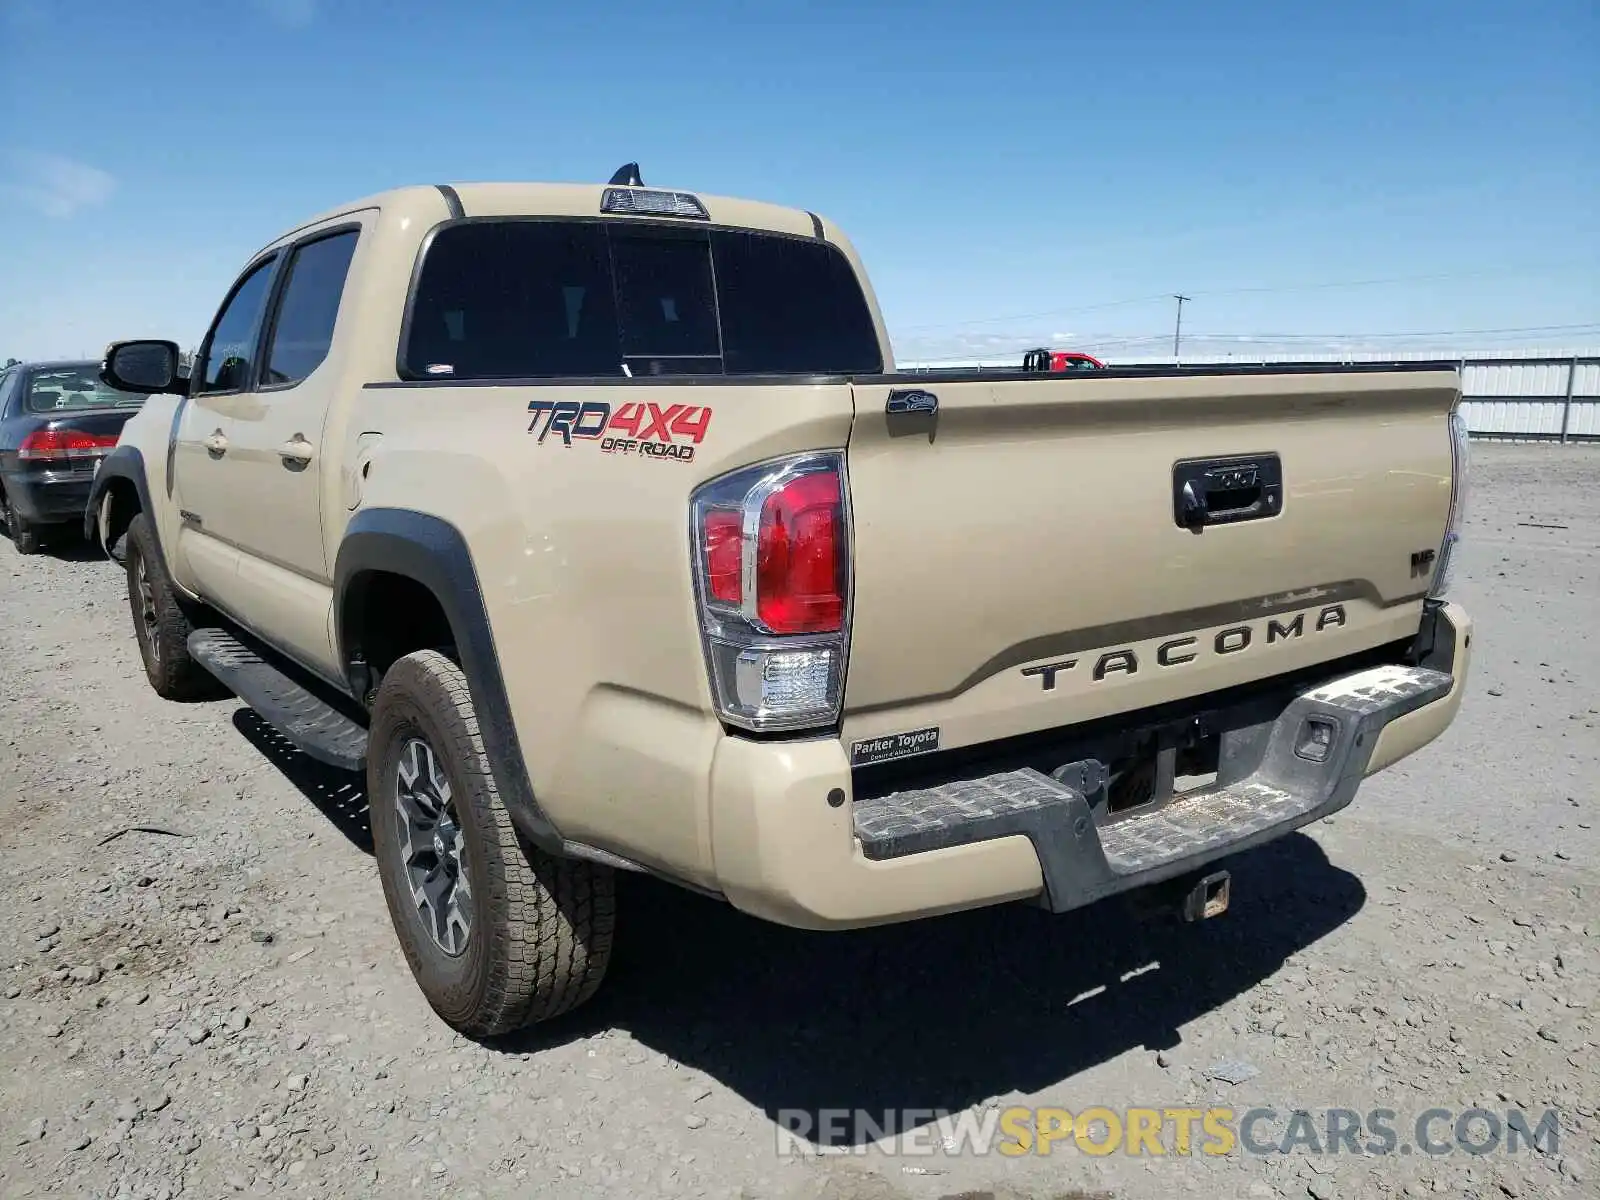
<point>669,431</point>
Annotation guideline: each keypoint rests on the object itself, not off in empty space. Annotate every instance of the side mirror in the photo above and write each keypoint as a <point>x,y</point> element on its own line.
<point>147,367</point>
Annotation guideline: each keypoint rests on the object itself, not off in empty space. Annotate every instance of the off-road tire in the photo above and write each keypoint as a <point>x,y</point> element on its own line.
<point>542,926</point>
<point>23,535</point>
<point>162,622</point>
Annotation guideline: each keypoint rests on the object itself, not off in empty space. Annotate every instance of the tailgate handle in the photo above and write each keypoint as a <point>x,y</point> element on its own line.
<point>1223,491</point>
<point>911,400</point>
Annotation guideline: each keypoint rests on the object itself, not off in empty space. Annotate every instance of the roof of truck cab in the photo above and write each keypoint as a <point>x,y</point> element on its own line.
<point>429,203</point>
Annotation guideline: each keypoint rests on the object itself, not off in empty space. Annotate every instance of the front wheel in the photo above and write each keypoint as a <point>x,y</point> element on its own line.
<point>161,623</point>
<point>497,933</point>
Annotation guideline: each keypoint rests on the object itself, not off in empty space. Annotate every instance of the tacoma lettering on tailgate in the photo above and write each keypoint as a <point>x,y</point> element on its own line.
<point>1180,650</point>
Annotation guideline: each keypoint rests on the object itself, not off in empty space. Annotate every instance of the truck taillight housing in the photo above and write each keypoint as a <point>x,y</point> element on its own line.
<point>64,445</point>
<point>1449,548</point>
<point>772,573</point>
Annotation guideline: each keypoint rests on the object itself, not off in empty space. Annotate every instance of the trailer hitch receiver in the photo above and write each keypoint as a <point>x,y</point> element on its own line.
<point>1207,898</point>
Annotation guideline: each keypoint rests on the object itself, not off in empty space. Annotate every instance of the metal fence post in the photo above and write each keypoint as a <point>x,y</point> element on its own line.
<point>1566,407</point>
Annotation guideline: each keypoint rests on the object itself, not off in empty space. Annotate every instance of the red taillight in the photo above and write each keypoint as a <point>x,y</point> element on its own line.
<point>65,444</point>
<point>798,556</point>
<point>772,564</point>
<point>724,550</point>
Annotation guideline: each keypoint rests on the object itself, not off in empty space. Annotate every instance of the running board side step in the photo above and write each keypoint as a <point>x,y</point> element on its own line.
<point>312,724</point>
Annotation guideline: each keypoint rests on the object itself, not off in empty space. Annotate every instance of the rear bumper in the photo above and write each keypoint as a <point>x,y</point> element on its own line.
<point>48,498</point>
<point>791,844</point>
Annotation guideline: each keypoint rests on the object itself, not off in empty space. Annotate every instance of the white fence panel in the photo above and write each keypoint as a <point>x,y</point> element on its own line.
<point>1585,419</point>
<point>1509,418</point>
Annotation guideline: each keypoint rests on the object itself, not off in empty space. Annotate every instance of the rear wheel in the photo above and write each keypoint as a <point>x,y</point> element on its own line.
<point>24,536</point>
<point>162,623</point>
<point>497,933</point>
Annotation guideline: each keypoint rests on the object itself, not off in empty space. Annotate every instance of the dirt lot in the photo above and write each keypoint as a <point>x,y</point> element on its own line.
<point>202,995</point>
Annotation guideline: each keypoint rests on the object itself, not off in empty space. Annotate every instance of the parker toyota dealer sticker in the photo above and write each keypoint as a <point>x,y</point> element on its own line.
<point>894,745</point>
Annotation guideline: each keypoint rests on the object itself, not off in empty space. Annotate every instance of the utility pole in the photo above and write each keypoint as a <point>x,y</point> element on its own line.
<point>1177,330</point>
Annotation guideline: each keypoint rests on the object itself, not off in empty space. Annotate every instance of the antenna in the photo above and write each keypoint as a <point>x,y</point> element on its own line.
<point>627,176</point>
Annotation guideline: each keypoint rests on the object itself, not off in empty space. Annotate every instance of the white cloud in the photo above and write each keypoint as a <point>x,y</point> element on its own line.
<point>291,14</point>
<point>56,186</point>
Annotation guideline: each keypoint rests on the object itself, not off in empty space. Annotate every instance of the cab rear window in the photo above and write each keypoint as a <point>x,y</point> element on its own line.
<point>71,389</point>
<point>506,299</point>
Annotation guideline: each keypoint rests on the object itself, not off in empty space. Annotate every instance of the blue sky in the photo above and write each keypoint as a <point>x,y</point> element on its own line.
<point>1012,173</point>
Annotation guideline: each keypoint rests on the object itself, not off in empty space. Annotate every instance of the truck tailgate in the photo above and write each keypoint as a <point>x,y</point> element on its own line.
<point>1019,562</point>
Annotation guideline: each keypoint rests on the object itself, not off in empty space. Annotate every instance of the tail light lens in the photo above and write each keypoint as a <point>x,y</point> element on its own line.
<point>64,445</point>
<point>1449,548</point>
<point>799,554</point>
<point>772,568</point>
<point>723,554</point>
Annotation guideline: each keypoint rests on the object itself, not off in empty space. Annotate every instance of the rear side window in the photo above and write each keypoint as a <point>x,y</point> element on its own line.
<point>303,329</point>
<point>551,299</point>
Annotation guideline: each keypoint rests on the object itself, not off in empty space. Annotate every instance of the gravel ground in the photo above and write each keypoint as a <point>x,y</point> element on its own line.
<point>202,995</point>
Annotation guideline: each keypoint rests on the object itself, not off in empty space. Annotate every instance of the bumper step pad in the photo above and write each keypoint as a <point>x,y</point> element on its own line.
<point>311,723</point>
<point>1083,862</point>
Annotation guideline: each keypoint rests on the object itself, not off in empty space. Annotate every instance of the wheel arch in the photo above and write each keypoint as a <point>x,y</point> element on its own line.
<point>423,554</point>
<point>122,478</point>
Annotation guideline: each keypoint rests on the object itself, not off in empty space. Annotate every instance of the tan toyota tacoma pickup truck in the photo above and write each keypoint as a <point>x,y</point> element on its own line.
<point>594,525</point>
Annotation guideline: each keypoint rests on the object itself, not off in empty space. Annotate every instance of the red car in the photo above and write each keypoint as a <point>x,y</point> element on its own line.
<point>1060,360</point>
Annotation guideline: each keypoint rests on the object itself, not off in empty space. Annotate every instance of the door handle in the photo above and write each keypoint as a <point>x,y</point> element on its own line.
<point>1222,491</point>
<point>296,452</point>
<point>217,444</point>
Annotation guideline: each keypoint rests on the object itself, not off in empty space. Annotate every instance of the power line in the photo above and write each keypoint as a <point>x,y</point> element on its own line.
<point>1331,285</point>
<point>1586,327</point>
<point>1054,312</point>
<point>1360,283</point>
<point>1118,339</point>
<point>1442,340</point>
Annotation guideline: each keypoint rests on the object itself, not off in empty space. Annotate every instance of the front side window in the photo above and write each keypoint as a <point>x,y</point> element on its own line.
<point>552,299</point>
<point>303,331</point>
<point>230,350</point>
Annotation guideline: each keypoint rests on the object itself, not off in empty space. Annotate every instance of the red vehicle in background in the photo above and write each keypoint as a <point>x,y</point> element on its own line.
<point>1060,360</point>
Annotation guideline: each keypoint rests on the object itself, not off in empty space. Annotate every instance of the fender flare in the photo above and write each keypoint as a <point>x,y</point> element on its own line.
<point>432,552</point>
<point>124,462</point>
